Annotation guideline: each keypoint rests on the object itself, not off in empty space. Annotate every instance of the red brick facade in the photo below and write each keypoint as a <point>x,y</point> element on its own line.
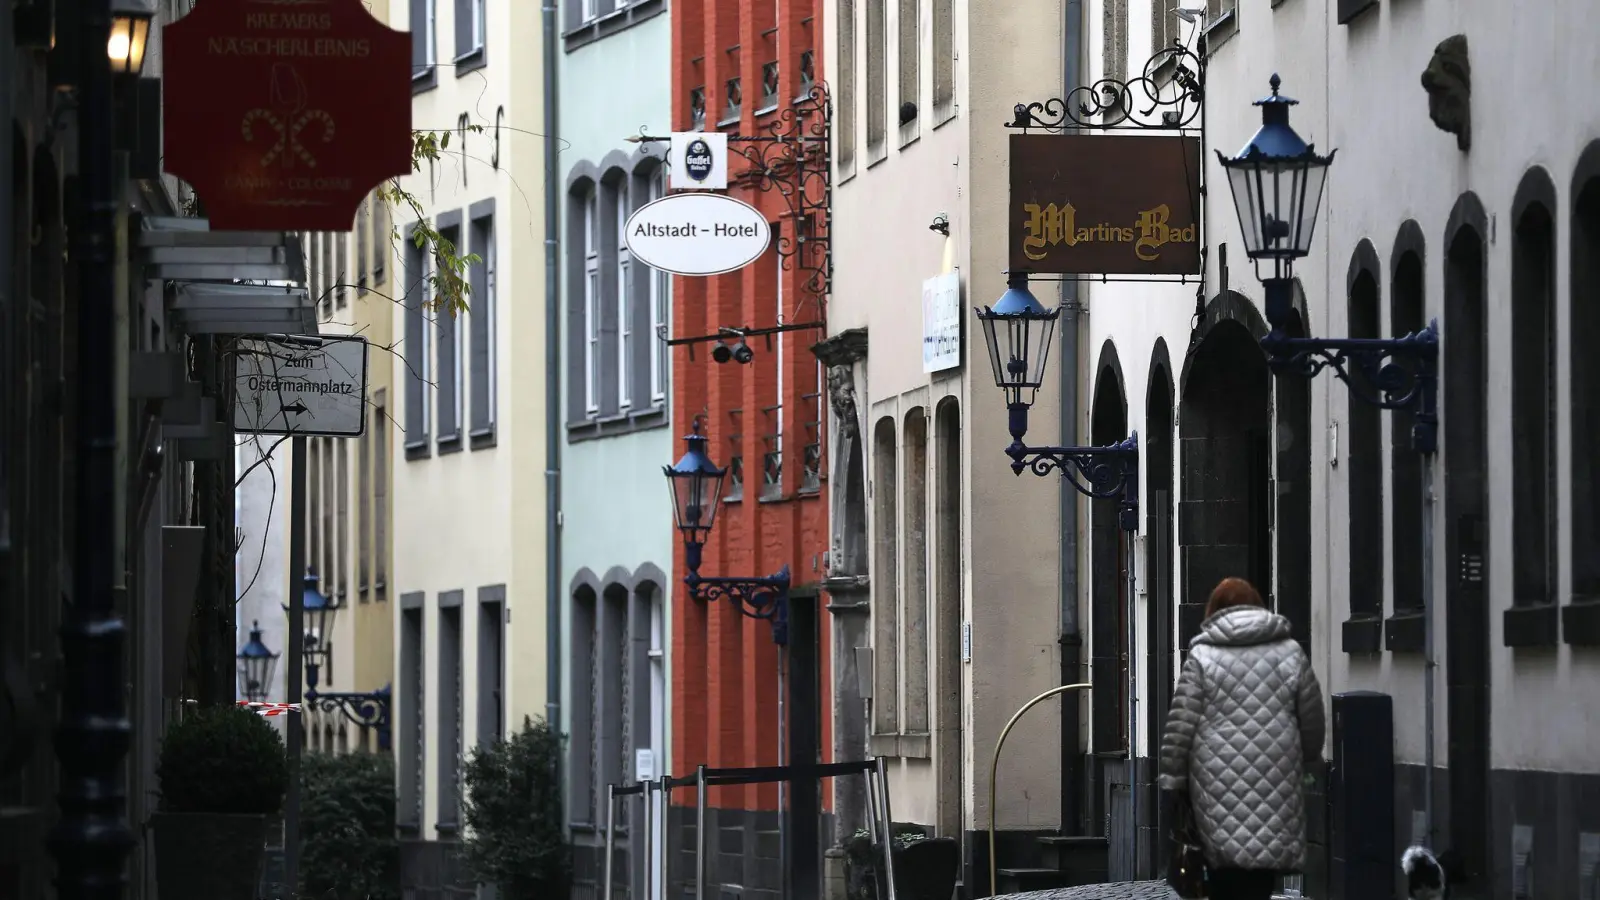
<point>725,666</point>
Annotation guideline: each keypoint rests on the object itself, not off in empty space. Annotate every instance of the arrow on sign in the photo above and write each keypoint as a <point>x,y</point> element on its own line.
<point>296,407</point>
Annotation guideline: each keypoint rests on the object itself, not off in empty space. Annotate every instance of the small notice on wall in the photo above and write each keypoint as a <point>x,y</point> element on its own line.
<point>941,322</point>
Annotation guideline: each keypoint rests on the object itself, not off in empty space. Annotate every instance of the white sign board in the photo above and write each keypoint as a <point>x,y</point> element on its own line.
<point>697,234</point>
<point>941,322</point>
<point>699,161</point>
<point>301,385</point>
<point>644,765</point>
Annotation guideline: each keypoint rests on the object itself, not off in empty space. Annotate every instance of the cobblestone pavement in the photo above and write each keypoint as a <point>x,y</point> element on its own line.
<point>1121,890</point>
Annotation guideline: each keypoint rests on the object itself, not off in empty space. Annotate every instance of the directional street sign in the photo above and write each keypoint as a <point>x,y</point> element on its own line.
<point>301,385</point>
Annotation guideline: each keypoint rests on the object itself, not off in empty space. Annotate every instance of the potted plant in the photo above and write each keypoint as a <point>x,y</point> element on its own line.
<point>925,868</point>
<point>223,773</point>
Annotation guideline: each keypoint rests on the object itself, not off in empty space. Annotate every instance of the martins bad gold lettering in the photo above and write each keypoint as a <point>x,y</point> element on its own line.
<point>1052,225</point>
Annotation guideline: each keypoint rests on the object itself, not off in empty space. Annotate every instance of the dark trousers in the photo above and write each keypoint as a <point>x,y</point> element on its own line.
<point>1240,884</point>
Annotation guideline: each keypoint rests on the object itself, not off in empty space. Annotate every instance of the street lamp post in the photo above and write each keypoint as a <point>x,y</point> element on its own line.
<point>1277,182</point>
<point>366,709</point>
<point>256,665</point>
<point>1018,330</point>
<point>696,485</point>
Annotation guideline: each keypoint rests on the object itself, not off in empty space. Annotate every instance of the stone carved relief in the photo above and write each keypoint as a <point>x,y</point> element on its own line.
<point>1448,81</point>
<point>842,397</point>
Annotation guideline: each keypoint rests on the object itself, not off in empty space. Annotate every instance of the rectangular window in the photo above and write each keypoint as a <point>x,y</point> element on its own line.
<point>363,447</point>
<point>877,76</point>
<point>382,238</point>
<point>341,270</point>
<point>624,302</point>
<point>482,320</point>
<point>591,303</point>
<point>491,664</point>
<point>447,325</point>
<point>380,494</point>
<point>341,522</point>
<point>363,236</point>
<point>910,51</point>
<point>313,502</point>
<point>944,56</point>
<point>847,82</point>
<point>411,735</point>
<point>660,307</point>
<point>469,28</point>
<point>1217,9</point>
<point>328,559</point>
<point>450,709</point>
<point>591,10</point>
<point>415,353</point>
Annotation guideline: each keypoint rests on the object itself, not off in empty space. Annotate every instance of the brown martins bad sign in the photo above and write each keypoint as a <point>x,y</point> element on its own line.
<point>1088,204</point>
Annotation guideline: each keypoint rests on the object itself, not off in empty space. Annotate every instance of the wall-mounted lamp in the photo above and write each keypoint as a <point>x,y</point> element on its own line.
<point>739,352</point>
<point>130,35</point>
<point>941,224</point>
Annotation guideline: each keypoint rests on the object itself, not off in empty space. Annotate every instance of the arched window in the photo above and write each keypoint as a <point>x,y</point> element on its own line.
<point>914,546</point>
<point>1364,476</point>
<point>1582,619</point>
<point>885,580</point>
<point>1403,632</point>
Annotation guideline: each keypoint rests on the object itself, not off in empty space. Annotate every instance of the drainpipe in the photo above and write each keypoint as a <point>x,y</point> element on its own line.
<point>554,597</point>
<point>1071,639</point>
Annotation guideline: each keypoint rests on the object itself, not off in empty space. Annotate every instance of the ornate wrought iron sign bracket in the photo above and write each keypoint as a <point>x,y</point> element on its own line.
<point>365,710</point>
<point>1167,95</point>
<point>1099,473</point>
<point>756,598</point>
<point>791,156</point>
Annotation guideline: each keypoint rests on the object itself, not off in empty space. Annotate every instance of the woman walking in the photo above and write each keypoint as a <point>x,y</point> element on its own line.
<point>1246,724</point>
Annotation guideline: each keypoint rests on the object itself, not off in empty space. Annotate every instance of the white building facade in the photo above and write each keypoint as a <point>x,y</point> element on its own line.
<point>1295,484</point>
<point>469,463</point>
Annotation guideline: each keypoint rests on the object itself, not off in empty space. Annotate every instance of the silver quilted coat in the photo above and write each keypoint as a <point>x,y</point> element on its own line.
<point>1246,719</point>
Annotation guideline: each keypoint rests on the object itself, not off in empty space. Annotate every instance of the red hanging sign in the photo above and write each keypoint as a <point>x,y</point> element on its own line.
<point>284,114</point>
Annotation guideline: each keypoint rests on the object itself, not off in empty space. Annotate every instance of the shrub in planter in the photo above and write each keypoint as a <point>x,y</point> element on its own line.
<point>512,810</point>
<point>348,845</point>
<point>223,773</point>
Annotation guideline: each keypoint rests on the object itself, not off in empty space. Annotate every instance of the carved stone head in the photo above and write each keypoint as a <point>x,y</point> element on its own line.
<point>1448,81</point>
<point>842,397</point>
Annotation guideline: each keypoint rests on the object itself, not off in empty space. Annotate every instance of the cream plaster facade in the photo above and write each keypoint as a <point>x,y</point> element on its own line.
<point>468,455</point>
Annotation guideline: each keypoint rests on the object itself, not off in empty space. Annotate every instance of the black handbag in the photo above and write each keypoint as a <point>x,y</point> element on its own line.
<point>1186,871</point>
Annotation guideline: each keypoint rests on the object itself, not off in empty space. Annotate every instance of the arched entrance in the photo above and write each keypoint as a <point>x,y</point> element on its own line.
<point>1156,449</point>
<point>1225,445</point>
<point>1466,505</point>
<point>1109,626</point>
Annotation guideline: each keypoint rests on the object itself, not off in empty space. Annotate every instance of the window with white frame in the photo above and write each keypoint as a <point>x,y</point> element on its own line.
<point>591,302</point>
<point>624,302</point>
<point>591,10</point>
<point>660,304</point>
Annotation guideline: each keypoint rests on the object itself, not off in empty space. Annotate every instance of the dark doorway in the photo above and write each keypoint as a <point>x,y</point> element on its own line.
<point>1224,516</point>
<point>1109,622</point>
<point>1466,505</point>
<point>1159,612</point>
<point>805,746</point>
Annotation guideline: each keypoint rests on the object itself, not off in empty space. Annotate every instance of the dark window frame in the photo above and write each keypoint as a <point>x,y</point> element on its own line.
<point>1362,631</point>
<point>483,325</point>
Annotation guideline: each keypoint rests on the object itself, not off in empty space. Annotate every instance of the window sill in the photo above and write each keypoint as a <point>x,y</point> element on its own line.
<point>617,425</point>
<point>471,61</point>
<point>482,438</point>
<point>768,108</point>
<point>729,119</point>
<point>1580,621</point>
<point>1362,634</point>
<point>1403,632</point>
<point>1219,30</point>
<point>450,443</point>
<point>450,829</point>
<point>943,115</point>
<point>612,22</point>
<point>910,132</point>
<point>418,450</point>
<point>904,746</point>
<point>771,493</point>
<point>410,829</point>
<point>1527,627</point>
<point>424,79</point>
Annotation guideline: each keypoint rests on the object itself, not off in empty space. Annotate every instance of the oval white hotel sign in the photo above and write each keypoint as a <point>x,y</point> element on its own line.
<point>697,234</point>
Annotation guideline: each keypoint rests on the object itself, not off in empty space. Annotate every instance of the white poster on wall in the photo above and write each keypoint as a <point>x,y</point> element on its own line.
<point>941,322</point>
<point>699,161</point>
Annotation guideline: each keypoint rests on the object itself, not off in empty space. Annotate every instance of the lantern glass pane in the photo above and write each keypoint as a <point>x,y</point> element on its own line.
<point>1244,180</point>
<point>1310,180</point>
<point>996,358</point>
<point>140,34</point>
<point>119,46</point>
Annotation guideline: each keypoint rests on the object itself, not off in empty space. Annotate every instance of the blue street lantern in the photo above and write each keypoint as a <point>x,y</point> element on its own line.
<point>256,666</point>
<point>1277,182</point>
<point>696,485</point>
<point>1018,330</point>
<point>319,609</point>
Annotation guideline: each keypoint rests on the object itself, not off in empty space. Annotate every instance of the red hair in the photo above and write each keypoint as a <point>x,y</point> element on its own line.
<point>1231,592</point>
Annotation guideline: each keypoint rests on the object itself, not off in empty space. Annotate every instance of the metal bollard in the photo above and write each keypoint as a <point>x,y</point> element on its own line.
<point>649,839</point>
<point>888,824</point>
<point>699,833</point>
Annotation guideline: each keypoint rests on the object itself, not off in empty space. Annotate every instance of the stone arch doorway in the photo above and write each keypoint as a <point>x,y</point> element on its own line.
<point>1466,507</point>
<point>1224,448</point>
<point>1156,451</point>
<point>1109,626</point>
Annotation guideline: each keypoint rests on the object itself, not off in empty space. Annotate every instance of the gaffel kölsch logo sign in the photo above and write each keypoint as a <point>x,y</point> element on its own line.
<point>698,161</point>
